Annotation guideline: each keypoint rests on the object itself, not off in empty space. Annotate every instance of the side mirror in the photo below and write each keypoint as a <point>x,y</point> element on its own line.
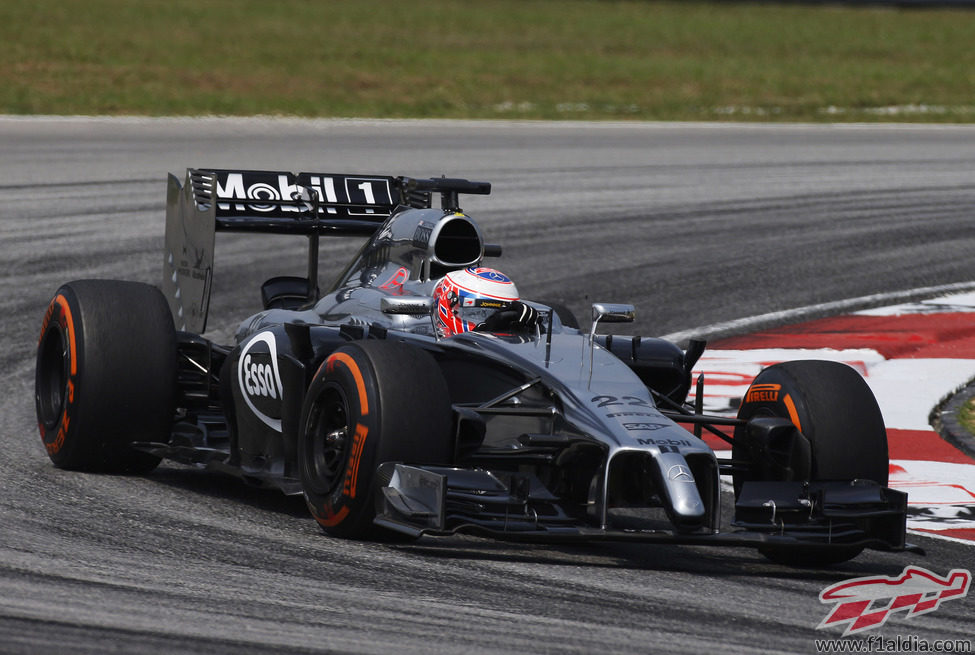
<point>613,312</point>
<point>407,305</point>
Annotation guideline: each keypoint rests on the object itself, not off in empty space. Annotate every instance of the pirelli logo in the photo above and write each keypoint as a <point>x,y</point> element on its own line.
<point>763,393</point>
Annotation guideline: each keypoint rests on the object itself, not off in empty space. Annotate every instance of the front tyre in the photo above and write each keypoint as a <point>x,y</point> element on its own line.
<point>370,402</point>
<point>106,375</point>
<point>832,406</point>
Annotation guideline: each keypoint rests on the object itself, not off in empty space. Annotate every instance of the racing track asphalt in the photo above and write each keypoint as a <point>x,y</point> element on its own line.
<point>695,224</point>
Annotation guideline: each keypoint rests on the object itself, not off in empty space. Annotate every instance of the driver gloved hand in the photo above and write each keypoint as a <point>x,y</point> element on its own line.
<point>515,317</point>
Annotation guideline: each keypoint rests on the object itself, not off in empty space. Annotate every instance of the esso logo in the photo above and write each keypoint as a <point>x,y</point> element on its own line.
<point>260,380</point>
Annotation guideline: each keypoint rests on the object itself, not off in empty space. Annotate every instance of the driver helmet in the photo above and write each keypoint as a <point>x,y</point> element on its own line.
<point>466,297</point>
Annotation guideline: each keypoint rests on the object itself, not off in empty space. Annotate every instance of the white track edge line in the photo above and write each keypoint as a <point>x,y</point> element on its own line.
<point>800,313</point>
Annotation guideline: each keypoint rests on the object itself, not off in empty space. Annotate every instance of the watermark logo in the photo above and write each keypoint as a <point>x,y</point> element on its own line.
<point>866,603</point>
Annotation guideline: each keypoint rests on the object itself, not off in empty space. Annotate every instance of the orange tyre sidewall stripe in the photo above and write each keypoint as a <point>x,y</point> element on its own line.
<point>66,322</point>
<point>331,518</point>
<point>356,374</point>
<point>355,457</point>
<point>66,312</point>
<point>790,406</point>
<point>361,431</point>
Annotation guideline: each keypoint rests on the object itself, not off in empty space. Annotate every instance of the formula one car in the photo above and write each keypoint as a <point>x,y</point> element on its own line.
<point>357,399</point>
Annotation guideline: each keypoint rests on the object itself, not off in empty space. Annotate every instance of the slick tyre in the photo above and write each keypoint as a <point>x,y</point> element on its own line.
<point>832,406</point>
<point>105,376</point>
<point>370,402</point>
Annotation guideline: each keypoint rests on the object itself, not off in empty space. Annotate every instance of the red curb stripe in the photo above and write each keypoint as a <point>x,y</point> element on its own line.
<point>916,445</point>
<point>923,445</point>
<point>958,533</point>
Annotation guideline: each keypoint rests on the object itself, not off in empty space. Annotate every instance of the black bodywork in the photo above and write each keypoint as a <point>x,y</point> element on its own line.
<point>562,434</point>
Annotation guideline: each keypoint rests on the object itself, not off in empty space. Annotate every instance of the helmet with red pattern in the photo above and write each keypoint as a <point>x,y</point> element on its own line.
<point>466,297</point>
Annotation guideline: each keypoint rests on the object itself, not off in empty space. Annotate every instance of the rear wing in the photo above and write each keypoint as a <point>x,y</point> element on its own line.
<point>310,204</point>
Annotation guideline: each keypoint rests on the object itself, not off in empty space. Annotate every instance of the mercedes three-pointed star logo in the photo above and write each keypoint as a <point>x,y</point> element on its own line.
<point>680,472</point>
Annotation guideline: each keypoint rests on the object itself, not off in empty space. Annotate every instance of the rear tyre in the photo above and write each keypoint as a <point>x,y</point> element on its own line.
<point>370,402</point>
<point>106,375</point>
<point>832,406</point>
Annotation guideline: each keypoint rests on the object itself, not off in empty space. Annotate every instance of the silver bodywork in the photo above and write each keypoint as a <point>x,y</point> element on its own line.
<point>557,430</point>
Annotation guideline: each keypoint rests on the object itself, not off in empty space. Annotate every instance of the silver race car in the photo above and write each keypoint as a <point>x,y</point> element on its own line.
<point>421,395</point>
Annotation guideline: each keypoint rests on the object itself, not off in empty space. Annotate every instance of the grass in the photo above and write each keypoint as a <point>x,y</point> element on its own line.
<point>966,415</point>
<point>537,59</point>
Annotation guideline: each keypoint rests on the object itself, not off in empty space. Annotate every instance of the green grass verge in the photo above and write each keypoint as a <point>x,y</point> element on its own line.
<point>966,415</point>
<point>545,59</point>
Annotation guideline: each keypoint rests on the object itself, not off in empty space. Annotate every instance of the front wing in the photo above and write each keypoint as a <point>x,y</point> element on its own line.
<point>442,501</point>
